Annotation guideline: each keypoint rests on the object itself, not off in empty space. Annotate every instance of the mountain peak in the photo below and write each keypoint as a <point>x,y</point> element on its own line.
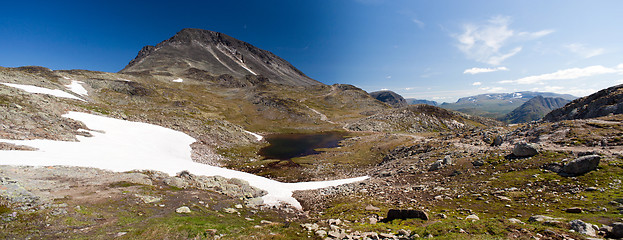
<point>217,54</point>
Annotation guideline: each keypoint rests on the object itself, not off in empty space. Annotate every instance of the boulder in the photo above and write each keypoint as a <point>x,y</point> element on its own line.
<point>478,163</point>
<point>182,209</point>
<point>472,217</point>
<point>583,228</point>
<point>617,230</point>
<point>497,141</point>
<point>524,150</point>
<point>436,166</point>
<point>581,165</point>
<point>393,214</point>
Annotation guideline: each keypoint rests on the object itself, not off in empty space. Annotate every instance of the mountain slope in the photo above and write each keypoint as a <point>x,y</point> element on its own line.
<point>497,105</point>
<point>602,103</point>
<point>534,109</point>
<point>391,98</point>
<point>217,54</point>
<point>420,101</point>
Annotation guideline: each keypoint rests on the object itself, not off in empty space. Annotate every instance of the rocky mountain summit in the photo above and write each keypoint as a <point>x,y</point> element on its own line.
<point>391,98</point>
<point>605,102</point>
<point>215,53</point>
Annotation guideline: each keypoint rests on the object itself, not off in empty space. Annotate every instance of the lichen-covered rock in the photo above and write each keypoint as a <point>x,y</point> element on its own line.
<point>581,165</point>
<point>583,228</point>
<point>524,150</point>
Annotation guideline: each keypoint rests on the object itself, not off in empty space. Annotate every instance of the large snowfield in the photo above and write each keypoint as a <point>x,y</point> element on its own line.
<point>120,145</point>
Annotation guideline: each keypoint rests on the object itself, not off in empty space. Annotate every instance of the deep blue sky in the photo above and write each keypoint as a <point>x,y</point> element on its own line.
<point>437,50</point>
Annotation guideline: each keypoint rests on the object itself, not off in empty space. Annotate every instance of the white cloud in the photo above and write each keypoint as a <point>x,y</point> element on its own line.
<point>584,51</point>
<point>565,74</point>
<point>418,22</point>
<point>476,84</point>
<point>484,70</point>
<point>389,77</point>
<point>486,42</point>
<point>493,89</point>
<point>578,92</point>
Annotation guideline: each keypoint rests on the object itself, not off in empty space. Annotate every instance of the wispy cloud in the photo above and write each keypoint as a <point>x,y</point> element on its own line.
<point>566,74</point>
<point>487,43</point>
<point>575,91</point>
<point>484,70</point>
<point>493,89</point>
<point>584,51</point>
<point>418,22</point>
<point>476,84</point>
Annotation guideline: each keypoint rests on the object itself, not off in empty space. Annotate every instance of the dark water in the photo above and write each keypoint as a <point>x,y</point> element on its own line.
<point>288,146</point>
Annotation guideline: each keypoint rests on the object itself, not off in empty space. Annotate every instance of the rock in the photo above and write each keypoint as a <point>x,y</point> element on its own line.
<point>176,182</point>
<point>524,150</point>
<point>574,210</point>
<point>617,230</point>
<point>334,222</point>
<point>436,166</point>
<point>336,234</point>
<point>472,217</point>
<point>148,199</point>
<point>583,228</point>
<point>385,174</point>
<point>403,232</point>
<point>497,141</point>
<point>321,233</point>
<point>254,202</point>
<point>373,220</point>
<point>230,210</point>
<point>478,163</point>
<point>447,160</point>
<point>239,206</point>
<point>182,209</point>
<point>503,198</point>
<point>393,214</point>
<point>441,216</point>
<point>540,218</point>
<point>515,221</point>
<point>312,227</point>
<point>387,235</point>
<point>372,208</point>
<point>581,165</point>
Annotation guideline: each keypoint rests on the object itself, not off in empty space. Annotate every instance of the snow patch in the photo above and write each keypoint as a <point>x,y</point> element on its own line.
<point>120,145</point>
<point>257,136</point>
<point>34,89</point>
<point>76,86</point>
<point>178,80</point>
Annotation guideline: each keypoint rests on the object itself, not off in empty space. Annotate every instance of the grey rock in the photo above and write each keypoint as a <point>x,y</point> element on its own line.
<point>472,217</point>
<point>525,150</point>
<point>335,222</point>
<point>393,214</point>
<point>515,221</point>
<point>321,233</point>
<point>478,163</point>
<point>583,228</point>
<point>617,230</point>
<point>372,208</point>
<point>497,141</point>
<point>447,160</point>
<point>581,165</point>
<point>182,209</point>
<point>540,218</point>
<point>436,166</point>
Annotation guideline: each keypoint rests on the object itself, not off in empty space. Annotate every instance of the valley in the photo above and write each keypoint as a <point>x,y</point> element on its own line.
<point>177,150</point>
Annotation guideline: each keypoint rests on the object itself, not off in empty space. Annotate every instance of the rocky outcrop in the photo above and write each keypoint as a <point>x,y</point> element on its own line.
<point>602,103</point>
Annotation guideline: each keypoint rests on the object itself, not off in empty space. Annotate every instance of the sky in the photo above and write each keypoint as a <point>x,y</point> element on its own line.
<point>437,50</point>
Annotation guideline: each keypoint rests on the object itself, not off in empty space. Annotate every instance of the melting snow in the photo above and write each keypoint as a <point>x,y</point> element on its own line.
<point>33,89</point>
<point>76,86</point>
<point>178,80</point>
<point>120,145</point>
<point>257,136</point>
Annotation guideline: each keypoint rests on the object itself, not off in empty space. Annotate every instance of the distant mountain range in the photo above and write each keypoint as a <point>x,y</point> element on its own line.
<point>497,105</point>
<point>534,109</point>
<point>412,101</point>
